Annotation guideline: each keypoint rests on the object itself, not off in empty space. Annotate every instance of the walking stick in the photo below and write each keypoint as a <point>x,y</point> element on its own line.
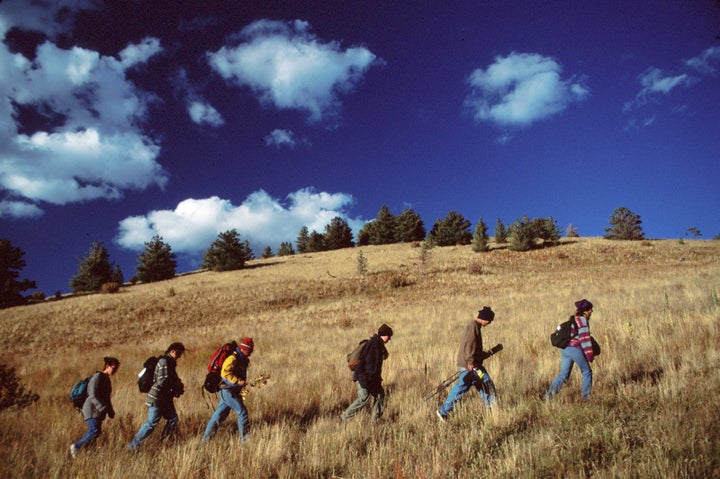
<point>447,382</point>
<point>442,386</point>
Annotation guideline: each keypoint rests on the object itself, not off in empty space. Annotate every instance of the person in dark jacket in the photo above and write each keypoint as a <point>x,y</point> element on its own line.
<point>160,400</point>
<point>368,375</point>
<point>469,364</point>
<point>98,404</point>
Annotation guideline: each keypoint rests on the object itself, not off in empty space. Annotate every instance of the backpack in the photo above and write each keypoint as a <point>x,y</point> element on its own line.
<point>353,359</point>
<point>146,376</point>
<point>78,393</point>
<point>212,378</point>
<point>565,331</point>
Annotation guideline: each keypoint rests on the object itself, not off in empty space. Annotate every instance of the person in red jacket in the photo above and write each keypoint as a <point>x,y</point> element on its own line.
<point>579,351</point>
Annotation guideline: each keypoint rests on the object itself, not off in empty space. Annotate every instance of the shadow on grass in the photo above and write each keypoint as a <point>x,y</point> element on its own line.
<point>641,375</point>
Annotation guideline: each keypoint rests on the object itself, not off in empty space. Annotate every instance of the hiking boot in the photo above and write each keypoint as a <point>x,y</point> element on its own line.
<point>440,415</point>
<point>73,450</point>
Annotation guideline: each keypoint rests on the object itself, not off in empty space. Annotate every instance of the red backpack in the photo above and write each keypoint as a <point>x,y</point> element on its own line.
<point>212,378</point>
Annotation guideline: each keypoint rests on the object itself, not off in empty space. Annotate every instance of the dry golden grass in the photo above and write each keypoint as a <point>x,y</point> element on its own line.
<point>652,412</point>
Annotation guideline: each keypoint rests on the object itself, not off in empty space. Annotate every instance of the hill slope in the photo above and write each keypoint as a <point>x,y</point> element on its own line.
<point>656,316</point>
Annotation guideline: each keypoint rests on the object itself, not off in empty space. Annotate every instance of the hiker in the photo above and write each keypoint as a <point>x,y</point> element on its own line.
<point>469,364</point>
<point>368,375</point>
<point>98,404</point>
<point>578,351</point>
<point>233,378</point>
<point>165,388</point>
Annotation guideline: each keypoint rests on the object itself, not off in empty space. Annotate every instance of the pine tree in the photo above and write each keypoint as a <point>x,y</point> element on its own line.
<point>480,237</point>
<point>367,233</point>
<point>338,234</point>
<point>227,252</point>
<point>302,240</point>
<point>362,264</point>
<point>285,249</point>
<point>624,225</point>
<point>157,262</point>
<point>522,235</point>
<point>452,230</point>
<point>383,231</point>
<point>363,237</point>
<point>316,242</point>
<point>11,262</point>
<point>571,232</point>
<point>409,227</point>
<point>500,232</point>
<point>546,229</point>
<point>267,253</point>
<point>117,275</point>
<point>94,269</point>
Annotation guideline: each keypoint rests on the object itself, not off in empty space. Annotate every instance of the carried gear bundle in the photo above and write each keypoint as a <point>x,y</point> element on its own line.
<point>562,335</point>
<point>259,381</point>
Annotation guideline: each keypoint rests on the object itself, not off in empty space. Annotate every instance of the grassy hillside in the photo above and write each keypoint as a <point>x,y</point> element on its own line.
<point>652,412</point>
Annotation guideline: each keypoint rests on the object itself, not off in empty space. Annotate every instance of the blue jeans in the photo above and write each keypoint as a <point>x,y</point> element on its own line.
<point>469,379</point>
<point>569,356</point>
<point>363,398</point>
<point>228,400</point>
<point>155,413</point>
<point>94,430</point>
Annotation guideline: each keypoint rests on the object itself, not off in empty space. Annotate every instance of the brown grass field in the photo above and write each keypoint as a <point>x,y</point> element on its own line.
<point>653,411</point>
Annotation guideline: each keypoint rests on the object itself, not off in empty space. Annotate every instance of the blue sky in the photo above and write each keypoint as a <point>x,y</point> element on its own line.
<point>125,119</point>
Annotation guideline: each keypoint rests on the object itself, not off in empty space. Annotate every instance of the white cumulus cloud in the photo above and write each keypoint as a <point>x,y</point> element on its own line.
<point>91,145</point>
<point>706,61</point>
<point>280,138</point>
<point>204,113</point>
<point>520,89</point>
<point>19,209</point>
<point>200,110</point>
<point>261,219</point>
<point>290,68</point>
<point>48,17</point>
<point>656,84</point>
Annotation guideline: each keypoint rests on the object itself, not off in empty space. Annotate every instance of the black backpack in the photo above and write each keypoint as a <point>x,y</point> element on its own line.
<point>146,376</point>
<point>562,335</point>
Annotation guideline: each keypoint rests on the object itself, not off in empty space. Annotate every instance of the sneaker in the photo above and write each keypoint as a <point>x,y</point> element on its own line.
<point>73,450</point>
<point>440,415</point>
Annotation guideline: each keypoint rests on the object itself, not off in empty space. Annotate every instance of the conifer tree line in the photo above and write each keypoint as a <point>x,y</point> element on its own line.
<point>229,252</point>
